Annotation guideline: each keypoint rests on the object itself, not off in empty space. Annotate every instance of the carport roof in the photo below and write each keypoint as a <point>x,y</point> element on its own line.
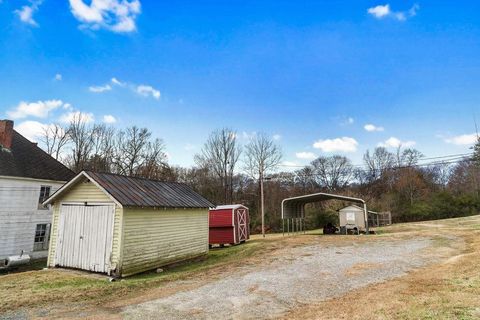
<point>294,207</point>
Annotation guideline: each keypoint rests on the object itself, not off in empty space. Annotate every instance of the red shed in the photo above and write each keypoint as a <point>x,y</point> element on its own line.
<point>229,224</point>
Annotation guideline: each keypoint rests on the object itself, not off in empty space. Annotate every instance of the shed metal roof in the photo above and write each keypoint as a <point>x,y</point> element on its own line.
<point>356,207</point>
<point>141,192</point>
<point>229,206</point>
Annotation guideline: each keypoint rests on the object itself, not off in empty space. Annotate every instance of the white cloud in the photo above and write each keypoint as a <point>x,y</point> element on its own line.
<point>100,89</point>
<point>276,137</point>
<point>114,15</point>
<point>464,139</point>
<point>85,116</point>
<point>289,164</point>
<point>344,144</point>
<point>32,130</point>
<point>118,82</point>
<point>393,142</point>
<point>146,91</point>
<point>384,11</point>
<point>25,14</point>
<point>380,11</point>
<point>306,155</point>
<point>350,120</point>
<point>108,118</point>
<point>39,109</point>
<point>58,77</point>
<point>371,128</point>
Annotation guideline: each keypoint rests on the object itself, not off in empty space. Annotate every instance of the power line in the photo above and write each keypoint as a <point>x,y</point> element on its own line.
<point>460,156</point>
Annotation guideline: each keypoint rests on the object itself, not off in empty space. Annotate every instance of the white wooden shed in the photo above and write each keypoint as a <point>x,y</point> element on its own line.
<point>125,225</point>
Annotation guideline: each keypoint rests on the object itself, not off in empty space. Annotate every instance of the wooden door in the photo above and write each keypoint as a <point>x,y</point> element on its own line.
<point>242,224</point>
<point>85,237</point>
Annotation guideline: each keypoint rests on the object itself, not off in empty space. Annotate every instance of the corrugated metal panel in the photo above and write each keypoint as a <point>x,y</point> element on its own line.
<point>157,237</point>
<point>140,192</point>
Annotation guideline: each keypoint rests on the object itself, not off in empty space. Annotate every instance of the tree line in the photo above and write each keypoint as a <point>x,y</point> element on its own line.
<point>227,172</point>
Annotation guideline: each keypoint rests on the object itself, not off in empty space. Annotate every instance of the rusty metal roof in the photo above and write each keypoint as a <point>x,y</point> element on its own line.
<point>141,192</point>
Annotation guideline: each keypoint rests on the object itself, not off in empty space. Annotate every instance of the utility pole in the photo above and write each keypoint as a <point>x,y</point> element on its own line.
<point>262,205</point>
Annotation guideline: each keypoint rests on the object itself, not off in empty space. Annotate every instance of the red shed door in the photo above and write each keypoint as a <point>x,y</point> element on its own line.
<point>242,214</point>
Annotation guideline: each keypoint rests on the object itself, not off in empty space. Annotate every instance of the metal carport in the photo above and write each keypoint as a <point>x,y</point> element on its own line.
<point>293,209</point>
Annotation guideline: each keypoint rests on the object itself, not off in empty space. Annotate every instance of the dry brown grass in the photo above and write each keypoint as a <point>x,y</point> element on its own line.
<point>447,290</point>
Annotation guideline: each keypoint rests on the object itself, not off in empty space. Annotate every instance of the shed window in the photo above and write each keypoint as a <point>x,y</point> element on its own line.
<point>42,237</point>
<point>44,194</point>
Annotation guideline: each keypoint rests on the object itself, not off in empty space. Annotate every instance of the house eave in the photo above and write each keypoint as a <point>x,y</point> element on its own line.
<point>31,179</point>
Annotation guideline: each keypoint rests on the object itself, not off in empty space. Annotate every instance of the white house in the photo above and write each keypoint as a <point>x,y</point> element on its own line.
<point>28,176</point>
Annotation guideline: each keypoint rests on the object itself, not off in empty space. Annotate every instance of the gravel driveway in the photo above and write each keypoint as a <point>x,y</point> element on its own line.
<point>296,276</point>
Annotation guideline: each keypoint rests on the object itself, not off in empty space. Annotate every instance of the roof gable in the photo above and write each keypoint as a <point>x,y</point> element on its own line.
<point>25,159</point>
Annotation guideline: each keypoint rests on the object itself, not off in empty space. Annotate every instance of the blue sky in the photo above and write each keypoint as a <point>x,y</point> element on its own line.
<point>312,74</point>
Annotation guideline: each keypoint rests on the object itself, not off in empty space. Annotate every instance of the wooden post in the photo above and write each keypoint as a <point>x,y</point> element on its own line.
<point>262,203</point>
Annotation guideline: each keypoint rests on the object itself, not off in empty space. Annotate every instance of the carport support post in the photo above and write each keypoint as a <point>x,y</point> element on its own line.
<point>365,212</point>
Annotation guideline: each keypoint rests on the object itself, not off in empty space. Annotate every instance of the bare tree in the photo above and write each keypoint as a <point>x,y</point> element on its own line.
<point>81,137</point>
<point>261,156</point>
<point>221,153</point>
<point>408,157</point>
<point>333,172</point>
<point>54,137</point>
<point>378,163</point>
<point>136,154</point>
<point>155,162</point>
<point>102,152</point>
<point>305,177</point>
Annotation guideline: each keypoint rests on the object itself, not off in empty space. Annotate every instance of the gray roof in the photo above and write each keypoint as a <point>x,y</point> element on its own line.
<point>229,206</point>
<point>141,192</point>
<point>295,207</point>
<point>25,159</point>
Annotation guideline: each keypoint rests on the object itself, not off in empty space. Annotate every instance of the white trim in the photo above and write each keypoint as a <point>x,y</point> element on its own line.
<point>31,179</point>
<point>89,203</point>
<point>233,223</point>
<point>74,181</point>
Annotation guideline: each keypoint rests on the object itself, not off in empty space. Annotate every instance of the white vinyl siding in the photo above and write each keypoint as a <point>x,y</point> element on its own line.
<point>19,215</point>
<point>157,237</point>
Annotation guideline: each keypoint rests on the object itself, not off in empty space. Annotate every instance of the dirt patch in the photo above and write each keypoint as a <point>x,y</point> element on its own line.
<point>360,268</point>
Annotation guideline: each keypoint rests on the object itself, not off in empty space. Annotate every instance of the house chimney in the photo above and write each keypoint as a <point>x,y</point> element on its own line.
<point>6,133</point>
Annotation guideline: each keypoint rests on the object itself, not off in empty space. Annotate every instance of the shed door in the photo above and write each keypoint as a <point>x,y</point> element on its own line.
<point>242,224</point>
<point>85,236</point>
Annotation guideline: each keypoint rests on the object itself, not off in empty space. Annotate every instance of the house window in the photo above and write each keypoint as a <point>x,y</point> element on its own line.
<point>44,194</point>
<point>42,236</point>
